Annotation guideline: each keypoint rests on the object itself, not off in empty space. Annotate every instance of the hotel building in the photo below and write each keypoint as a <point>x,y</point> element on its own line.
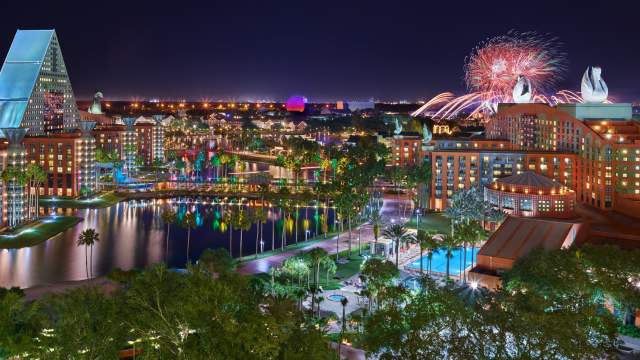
<point>36,100</point>
<point>591,149</point>
<point>115,137</point>
<point>68,159</point>
<point>603,139</point>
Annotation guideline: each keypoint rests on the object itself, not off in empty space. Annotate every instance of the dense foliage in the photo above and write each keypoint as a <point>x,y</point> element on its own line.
<point>164,313</point>
<point>563,304</point>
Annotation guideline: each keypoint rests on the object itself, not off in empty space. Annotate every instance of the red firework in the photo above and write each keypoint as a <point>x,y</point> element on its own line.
<point>493,67</point>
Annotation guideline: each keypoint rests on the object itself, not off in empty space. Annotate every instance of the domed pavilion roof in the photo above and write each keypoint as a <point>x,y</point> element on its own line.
<point>530,179</point>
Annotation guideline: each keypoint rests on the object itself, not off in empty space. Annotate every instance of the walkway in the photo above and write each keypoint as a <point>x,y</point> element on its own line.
<point>263,265</point>
<point>389,211</point>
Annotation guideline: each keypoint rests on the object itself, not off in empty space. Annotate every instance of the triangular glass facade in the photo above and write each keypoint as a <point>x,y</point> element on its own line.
<point>35,91</point>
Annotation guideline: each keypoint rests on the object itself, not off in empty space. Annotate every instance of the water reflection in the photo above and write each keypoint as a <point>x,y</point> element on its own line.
<point>248,168</point>
<point>133,235</point>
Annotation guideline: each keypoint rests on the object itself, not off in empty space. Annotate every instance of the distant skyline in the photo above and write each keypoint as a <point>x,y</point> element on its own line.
<point>325,51</point>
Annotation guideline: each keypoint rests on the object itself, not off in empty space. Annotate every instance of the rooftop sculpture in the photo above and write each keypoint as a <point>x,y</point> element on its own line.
<point>522,90</point>
<point>426,134</point>
<point>96,106</point>
<point>398,128</point>
<point>593,87</point>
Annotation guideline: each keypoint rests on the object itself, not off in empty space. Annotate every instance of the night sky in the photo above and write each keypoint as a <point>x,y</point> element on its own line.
<point>324,50</point>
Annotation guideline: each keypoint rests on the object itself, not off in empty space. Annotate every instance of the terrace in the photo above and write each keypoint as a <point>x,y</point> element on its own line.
<point>621,132</point>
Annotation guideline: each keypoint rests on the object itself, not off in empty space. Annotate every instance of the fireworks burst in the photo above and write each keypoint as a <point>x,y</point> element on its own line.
<point>493,67</point>
<point>492,70</point>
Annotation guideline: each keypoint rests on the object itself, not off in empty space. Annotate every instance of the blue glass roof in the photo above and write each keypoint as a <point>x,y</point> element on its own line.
<point>17,80</point>
<point>20,72</point>
<point>29,45</point>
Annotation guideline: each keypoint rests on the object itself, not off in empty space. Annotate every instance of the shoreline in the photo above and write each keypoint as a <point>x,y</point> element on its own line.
<point>37,232</point>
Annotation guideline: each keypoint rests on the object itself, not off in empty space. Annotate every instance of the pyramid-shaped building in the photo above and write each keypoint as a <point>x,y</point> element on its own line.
<point>35,91</point>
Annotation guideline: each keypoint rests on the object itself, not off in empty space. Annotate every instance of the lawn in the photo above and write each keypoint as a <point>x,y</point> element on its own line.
<point>431,221</point>
<point>343,272</point>
<point>99,201</point>
<point>37,232</point>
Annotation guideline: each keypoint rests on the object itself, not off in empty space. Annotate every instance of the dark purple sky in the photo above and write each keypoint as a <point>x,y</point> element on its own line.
<point>327,50</point>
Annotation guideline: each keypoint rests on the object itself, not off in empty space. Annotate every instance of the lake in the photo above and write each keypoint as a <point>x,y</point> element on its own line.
<point>133,235</point>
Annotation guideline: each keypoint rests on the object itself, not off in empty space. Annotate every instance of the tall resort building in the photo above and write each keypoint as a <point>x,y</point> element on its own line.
<point>35,91</point>
<point>36,98</point>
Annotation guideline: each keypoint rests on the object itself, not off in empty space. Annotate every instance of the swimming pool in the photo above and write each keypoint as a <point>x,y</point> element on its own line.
<point>336,297</point>
<point>439,261</point>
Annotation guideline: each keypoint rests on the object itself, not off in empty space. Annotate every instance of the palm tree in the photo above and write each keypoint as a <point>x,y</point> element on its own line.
<point>496,216</point>
<point>425,241</point>
<point>466,234</point>
<point>316,257</point>
<point>87,239</point>
<point>330,267</point>
<point>344,301</point>
<point>313,290</point>
<point>224,160</point>
<point>242,167</point>
<point>244,223</point>
<point>432,249</point>
<point>261,213</point>
<point>273,233</point>
<point>449,243</point>
<point>230,219</point>
<point>180,166</point>
<point>296,219</point>
<point>376,221</point>
<point>325,165</point>
<point>169,217</point>
<point>16,179</point>
<point>188,222</point>
<point>300,294</point>
<point>259,216</point>
<point>478,236</point>
<point>454,213</point>
<point>215,163</point>
<point>35,176</point>
<point>398,234</point>
<point>39,176</point>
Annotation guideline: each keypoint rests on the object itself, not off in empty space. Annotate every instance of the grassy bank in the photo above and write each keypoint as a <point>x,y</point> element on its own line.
<point>302,244</point>
<point>37,232</point>
<point>431,221</point>
<point>291,247</point>
<point>99,201</point>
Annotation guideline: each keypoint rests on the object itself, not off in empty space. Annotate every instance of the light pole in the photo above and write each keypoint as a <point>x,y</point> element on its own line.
<point>417,219</point>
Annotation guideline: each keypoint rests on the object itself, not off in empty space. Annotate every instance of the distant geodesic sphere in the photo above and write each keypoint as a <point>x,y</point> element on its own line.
<point>296,103</point>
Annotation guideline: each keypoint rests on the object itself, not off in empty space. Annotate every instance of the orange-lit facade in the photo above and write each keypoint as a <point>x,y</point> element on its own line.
<point>61,155</point>
<point>111,138</point>
<point>607,151</point>
<point>407,149</point>
<point>461,169</point>
<point>68,160</point>
<point>599,159</point>
<point>56,156</point>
